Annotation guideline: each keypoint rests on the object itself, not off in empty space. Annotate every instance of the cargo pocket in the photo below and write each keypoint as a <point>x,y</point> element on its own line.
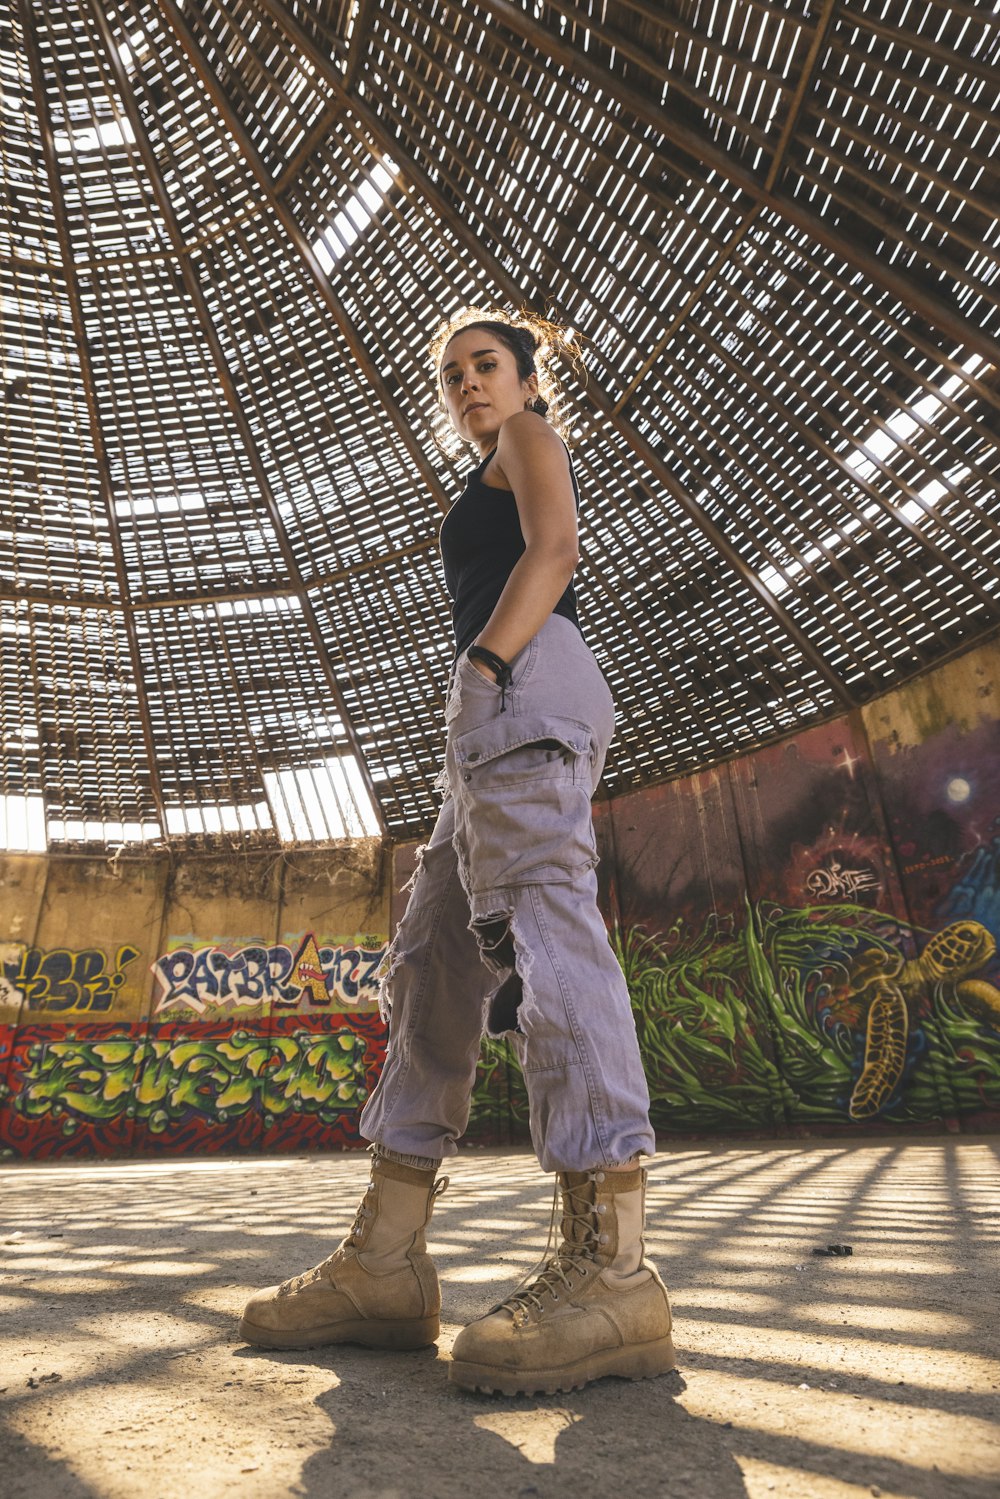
<point>522,788</point>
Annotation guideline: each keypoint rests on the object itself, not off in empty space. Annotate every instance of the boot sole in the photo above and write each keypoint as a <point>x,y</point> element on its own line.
<point>418,1332</point>
<point>636,1361</point>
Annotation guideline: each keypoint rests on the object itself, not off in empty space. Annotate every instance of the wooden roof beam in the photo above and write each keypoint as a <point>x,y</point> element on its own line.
<point>27,21</point>
<point>214,345</point>
<point>359,40</point>
<point>80,601</point>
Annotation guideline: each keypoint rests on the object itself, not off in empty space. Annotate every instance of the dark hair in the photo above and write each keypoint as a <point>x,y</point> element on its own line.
<point>535,344</point>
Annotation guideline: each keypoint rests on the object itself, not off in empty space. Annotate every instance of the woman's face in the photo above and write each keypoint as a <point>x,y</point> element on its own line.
<point>481,386</point>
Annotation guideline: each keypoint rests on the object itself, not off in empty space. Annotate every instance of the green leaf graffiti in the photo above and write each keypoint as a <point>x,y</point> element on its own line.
<point>759,1022</point>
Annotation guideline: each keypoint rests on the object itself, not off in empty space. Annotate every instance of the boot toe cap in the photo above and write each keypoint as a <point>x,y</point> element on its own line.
<point>484,1341</point>
<point>262,1310</point>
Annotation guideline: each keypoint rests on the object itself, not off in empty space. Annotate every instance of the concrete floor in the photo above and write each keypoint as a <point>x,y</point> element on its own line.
<point>121,1373</point>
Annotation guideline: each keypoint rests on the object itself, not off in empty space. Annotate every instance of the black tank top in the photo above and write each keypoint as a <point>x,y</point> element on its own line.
<point>481,540</point>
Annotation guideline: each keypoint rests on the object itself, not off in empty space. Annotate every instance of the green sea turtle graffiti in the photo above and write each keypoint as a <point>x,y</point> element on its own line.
<point>889,985</point>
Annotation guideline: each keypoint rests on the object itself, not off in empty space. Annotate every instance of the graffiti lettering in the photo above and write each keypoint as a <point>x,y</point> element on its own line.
<point>835,880</point>
<point>67,980</point>
<point>254,975</point>
<point>168,1081</point>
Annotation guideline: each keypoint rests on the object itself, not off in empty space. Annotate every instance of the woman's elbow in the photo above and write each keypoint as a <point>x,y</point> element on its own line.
<point>566,559</point>
<point>555,557</point>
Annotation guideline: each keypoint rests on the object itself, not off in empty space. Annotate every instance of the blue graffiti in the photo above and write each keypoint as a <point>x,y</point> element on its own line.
<point>285,977</point>
<point>977,893</point>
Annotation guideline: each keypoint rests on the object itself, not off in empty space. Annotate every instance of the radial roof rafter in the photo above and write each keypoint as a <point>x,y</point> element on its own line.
<point>212,342</point>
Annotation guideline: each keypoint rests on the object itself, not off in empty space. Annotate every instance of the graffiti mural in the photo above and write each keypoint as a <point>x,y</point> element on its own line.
<point>499,1107</point>
<point>833,879</point>
<point>210,1085</point>
<point>810,934</point>
<point>197,978</point>
<point>813,1016</point>
<point>66,980</point>
<point>976,890</point>
<point>892,991</point>
<point>10,964</point>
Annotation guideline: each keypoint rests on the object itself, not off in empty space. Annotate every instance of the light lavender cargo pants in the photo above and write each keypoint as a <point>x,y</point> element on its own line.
<point>502,928</point>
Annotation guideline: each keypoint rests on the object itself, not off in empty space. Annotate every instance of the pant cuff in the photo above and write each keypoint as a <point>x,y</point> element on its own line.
<point>420,1162</point>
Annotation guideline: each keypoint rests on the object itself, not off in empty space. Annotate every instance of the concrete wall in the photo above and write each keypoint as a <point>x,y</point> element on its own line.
<point>809,933</point>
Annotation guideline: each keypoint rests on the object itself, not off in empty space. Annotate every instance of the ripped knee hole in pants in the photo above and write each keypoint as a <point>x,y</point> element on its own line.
<point>495,936</point>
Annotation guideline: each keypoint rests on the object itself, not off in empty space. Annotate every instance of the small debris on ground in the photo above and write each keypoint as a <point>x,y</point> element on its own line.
<point>838,1250</point>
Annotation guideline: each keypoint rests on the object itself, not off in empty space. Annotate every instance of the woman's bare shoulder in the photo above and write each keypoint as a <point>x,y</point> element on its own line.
<point>525,439</point>
<point>528,429</point>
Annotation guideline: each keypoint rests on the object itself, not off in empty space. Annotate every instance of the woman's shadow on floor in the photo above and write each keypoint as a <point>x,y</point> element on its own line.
<point>401,1431</point>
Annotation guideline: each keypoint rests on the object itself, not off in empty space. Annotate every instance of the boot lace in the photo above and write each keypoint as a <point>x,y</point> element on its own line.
<point>572,1255</point>
<point>363,1213</point>
<point>299,1283</point>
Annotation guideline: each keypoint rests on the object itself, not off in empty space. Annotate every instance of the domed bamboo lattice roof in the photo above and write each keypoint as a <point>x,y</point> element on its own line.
<point>229,227</point>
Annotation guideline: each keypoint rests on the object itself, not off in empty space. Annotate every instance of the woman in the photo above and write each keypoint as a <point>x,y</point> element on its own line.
<point>502,929</point>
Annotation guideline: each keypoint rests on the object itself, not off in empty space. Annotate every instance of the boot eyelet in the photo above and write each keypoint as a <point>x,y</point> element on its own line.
<point>602,1207</point>
<point>600,1176</point>
<point>603,1239</point>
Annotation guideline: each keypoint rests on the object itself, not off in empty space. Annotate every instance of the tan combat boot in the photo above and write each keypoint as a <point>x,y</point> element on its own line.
<point>378,1288</point>
<point>599,1307</point>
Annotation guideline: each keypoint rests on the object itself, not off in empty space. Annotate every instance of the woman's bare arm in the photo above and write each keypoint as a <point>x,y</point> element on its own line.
<point>532,459</point>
